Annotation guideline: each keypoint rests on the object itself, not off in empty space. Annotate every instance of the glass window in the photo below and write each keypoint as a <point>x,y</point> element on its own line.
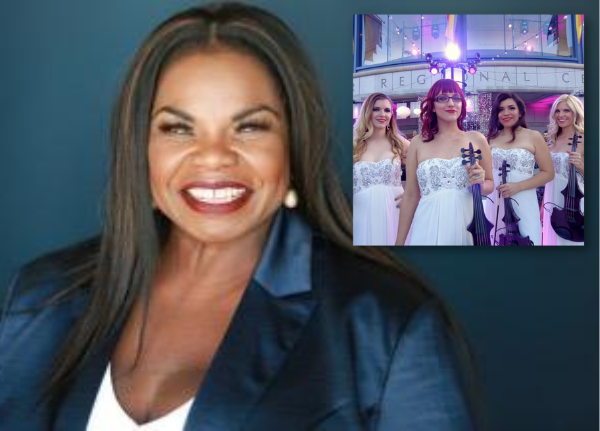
<point>402,38</point>
<point>485,32</point>
<point>520,35</point>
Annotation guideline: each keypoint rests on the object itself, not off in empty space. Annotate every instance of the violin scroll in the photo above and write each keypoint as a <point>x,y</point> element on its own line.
<point>470,153</point>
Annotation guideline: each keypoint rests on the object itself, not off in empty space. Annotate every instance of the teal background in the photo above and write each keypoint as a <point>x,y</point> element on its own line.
<point>531,313</point>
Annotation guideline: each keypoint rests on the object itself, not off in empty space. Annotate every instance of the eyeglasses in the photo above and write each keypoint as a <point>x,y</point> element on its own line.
<point>444,99</point>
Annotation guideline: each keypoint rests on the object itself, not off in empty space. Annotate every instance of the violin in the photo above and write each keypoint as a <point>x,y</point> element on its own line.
<point>480,226</point>
<point>512,235</point>
<point>567,222</point>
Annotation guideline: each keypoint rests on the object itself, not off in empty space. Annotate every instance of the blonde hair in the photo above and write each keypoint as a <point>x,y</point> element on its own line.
<point>554,130</point>
<point>364,129</point>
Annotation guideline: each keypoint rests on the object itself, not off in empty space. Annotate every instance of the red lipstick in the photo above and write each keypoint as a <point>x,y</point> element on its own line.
<point>215,197</point>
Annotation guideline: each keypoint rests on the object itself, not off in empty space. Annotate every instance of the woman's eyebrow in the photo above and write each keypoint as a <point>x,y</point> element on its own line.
<point>174,111</point>
<point>236,117</point>
<point>253,109</point>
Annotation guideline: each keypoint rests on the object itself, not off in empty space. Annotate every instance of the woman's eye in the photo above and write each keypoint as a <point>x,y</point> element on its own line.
<point>176,129</point>
<point>252,126</point>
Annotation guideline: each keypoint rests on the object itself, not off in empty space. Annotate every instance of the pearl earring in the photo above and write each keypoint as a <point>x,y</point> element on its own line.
<point>291,199</point>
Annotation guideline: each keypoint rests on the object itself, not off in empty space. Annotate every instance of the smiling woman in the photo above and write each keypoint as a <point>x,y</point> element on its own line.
<point>218,153</point>
<point>511,141</point>
<point>566,120</point>
<point>379,150</point>
<point>438,200</point>
<point>224,291</point>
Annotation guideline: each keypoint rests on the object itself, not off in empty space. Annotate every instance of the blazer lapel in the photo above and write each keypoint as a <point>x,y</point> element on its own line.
<point>262,333</point>
<point>76,407</point>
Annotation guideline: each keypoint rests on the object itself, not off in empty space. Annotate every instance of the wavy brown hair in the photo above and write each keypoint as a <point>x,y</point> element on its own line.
<point>495,126</point>
<point>364,129</point>
<point>429,118</point>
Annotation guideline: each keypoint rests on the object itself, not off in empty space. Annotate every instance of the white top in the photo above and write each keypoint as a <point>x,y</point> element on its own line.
<point>107,413</point>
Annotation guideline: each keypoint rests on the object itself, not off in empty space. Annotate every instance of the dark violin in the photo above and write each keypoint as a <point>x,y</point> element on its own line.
<point>512,235</point>
<point>480,226</point>
<point>567,222</point>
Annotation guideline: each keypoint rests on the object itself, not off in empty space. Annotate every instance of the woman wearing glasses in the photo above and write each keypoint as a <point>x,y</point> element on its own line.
<point>437,199</point>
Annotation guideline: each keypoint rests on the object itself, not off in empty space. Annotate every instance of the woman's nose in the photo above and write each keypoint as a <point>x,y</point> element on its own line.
<point>213,153</point>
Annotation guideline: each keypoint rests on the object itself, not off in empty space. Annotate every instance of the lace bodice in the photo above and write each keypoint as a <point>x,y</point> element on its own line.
<point>519,159</point>
<point>441,174</point>
<point>369,174</point>
<point>561,166</point>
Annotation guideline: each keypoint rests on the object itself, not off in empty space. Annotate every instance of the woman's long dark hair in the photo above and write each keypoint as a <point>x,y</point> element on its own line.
<point>429,118</point>
<point>495,126</point>
<point>121,267</point>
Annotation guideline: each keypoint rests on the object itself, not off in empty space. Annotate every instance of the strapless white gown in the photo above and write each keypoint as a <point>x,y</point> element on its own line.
<point>375,216</point>
<point>525,203</point>
<point>552,193</point>
<point>446,206</point>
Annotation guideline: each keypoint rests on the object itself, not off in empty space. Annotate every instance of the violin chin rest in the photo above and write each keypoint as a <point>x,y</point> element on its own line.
<point>564,233</point>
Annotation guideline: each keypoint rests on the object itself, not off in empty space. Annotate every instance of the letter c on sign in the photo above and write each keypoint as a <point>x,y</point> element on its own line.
<point>565,74</point>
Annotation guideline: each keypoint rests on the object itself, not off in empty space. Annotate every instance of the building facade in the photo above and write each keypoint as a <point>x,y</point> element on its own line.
<point>539,57</point>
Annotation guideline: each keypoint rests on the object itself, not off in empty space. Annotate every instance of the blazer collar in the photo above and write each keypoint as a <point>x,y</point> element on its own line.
<point>269,320</point>
<point>285,264</point>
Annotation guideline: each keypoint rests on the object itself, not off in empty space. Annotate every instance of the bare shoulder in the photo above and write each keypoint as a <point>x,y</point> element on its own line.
<point>474,136</point>
<point>417,140</point>
<point>477,139</point>
<point>533,134</point>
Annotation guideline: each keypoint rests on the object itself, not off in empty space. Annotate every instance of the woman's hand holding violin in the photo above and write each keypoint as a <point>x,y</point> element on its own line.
<point>576,160</point>
<point>509,189</point>
<point>476,174</point>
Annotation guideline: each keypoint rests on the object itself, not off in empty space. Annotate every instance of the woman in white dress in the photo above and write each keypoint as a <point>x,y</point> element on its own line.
<point>566,117</point>
<point>511,140</point>
<point>378,151</point>
<point>438,199</point>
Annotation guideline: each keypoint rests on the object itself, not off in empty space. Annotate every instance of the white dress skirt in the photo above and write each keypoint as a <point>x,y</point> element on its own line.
<point>525,203</point>
<point>446,206</point>
<point>375,216</point>
<point>552,194</point>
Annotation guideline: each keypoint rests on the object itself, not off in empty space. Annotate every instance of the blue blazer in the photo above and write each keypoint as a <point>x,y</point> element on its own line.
<point>362,349</point>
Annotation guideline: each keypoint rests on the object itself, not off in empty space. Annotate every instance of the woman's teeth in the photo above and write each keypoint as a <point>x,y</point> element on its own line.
<point>216,196</point>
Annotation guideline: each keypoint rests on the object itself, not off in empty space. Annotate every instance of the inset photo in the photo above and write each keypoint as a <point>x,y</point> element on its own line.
<point>468,130</point>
